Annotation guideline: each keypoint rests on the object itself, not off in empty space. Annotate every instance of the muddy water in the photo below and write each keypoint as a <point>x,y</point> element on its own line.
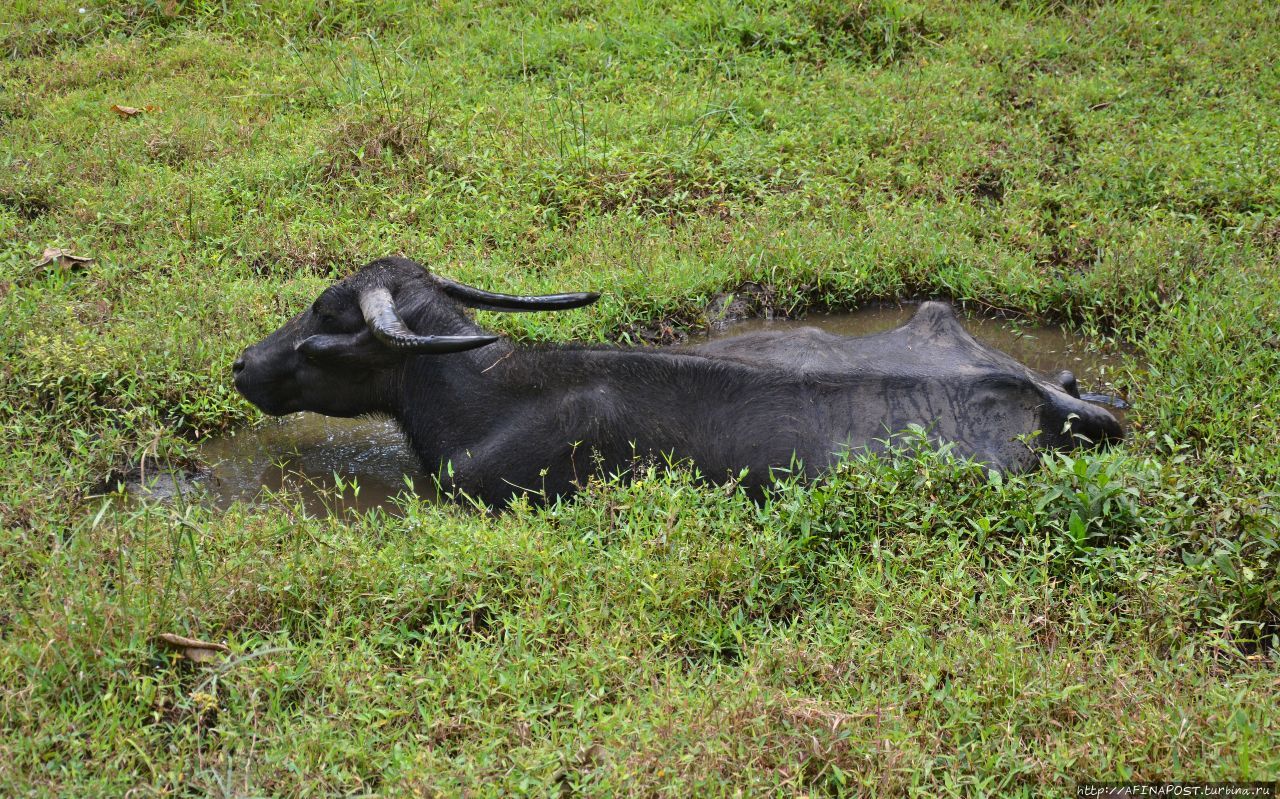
<point>302,453</point>
<point>306,455</point>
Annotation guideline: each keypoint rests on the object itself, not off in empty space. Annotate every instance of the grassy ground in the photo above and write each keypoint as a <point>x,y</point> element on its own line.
<point>907,624</point>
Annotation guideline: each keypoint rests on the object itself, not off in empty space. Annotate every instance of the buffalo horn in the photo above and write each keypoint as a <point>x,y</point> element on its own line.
<point>387,327</point>
<point>490,301</point>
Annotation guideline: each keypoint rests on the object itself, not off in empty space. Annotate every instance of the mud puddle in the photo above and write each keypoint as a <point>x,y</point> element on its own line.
<point>306,455</point>
<point>329,465</point>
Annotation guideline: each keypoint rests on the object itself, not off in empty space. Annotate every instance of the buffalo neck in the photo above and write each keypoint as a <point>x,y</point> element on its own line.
<point>441,401</point>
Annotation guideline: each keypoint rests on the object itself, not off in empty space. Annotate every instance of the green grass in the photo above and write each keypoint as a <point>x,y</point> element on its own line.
<point>906,624</point>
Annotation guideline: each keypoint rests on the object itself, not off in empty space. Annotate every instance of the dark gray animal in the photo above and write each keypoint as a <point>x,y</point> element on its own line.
<point>497,420</point>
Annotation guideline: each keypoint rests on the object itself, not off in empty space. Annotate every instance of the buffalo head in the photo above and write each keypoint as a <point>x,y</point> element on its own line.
<point>340,357</point>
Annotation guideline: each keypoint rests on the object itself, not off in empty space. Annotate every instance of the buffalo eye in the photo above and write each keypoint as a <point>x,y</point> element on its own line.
<point>328,321</point>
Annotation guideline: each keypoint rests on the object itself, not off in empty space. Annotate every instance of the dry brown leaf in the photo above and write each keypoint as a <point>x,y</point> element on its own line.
<point>192,649</point>
<point>65,260</point>
<point>127,111</point>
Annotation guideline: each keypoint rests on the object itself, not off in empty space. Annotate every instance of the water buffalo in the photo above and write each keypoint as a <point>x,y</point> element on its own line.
<point>496,420</point>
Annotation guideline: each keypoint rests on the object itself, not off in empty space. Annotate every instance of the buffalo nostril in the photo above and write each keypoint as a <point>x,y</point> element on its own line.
<point>238,366</point>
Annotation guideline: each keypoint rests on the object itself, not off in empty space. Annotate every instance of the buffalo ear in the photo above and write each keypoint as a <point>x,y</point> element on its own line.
<point>354,349</point>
